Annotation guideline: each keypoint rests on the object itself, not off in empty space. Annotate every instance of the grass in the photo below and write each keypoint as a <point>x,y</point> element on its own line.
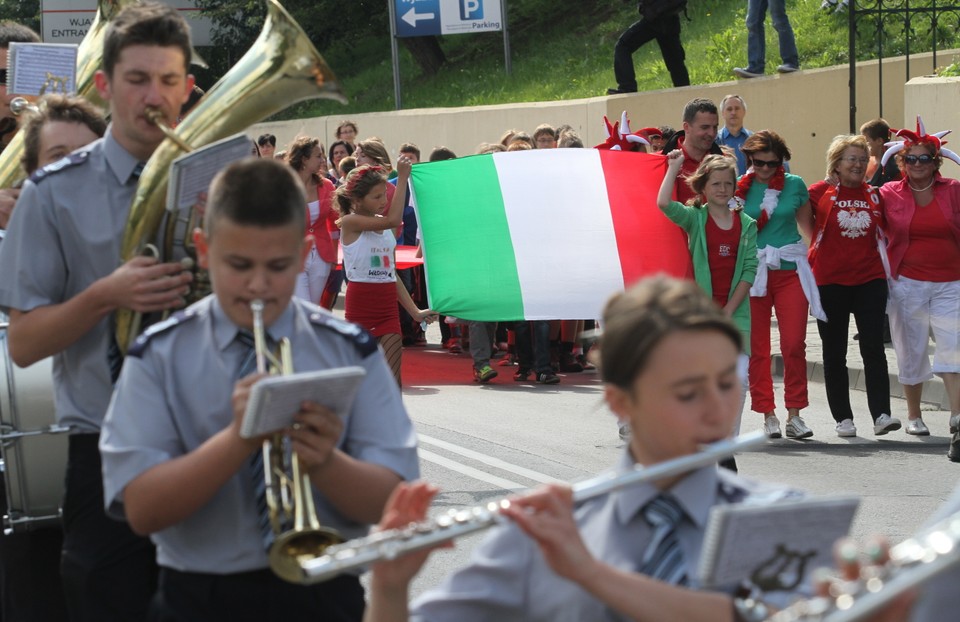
<point>569,55</point>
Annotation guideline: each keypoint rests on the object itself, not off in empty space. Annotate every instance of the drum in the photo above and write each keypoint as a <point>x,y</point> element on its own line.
<point>33,447</point>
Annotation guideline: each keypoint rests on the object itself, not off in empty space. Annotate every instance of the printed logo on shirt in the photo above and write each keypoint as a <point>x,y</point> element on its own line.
<point>380,261</point>
<point>854,219</point>
<point>725,250</point>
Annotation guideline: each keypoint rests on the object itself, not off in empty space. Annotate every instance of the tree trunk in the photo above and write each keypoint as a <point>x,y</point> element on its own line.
<point>427,52</point>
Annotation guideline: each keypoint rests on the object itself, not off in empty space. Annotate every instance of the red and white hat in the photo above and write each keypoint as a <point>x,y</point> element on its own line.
<point>920,137</point>
<point>619,137</point>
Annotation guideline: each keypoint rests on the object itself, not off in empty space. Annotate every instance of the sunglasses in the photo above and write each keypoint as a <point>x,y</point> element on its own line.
<point>765,163</point>
<point>920,159</point>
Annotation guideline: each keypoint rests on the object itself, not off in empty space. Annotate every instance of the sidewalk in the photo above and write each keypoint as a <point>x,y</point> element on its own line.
<point>933,392</point>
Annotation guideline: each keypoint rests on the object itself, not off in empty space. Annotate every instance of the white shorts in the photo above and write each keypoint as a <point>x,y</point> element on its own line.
<point>313,279</point>
<point>915,308</point>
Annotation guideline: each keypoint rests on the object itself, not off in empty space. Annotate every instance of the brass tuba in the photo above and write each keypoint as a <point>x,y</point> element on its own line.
<point>289,495</point>
<point>89,57</point>
<point>281,68</point>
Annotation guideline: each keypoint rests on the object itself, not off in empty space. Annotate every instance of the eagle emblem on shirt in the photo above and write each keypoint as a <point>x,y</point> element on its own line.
<point>853,223</point>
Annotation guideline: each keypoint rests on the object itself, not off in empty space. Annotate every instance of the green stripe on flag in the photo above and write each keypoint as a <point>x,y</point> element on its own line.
<point>468,253</point>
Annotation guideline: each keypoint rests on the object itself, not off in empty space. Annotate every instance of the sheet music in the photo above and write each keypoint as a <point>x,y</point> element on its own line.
<point>192,173</point>
<point>742,540</point>
<point>41,68</point>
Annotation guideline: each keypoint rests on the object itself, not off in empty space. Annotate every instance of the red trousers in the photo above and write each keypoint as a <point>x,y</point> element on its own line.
<point>785,296</point>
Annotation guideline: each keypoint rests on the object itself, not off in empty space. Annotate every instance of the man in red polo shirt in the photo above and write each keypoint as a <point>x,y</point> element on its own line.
<point>696,139</point>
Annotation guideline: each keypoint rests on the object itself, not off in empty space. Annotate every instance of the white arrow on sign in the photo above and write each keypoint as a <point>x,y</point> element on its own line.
<point>412,17</point>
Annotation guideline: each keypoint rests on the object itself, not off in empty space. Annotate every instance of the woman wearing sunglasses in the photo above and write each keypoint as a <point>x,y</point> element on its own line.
<point>922,213</point>
<point>846,262</point>
<point>778,201</point>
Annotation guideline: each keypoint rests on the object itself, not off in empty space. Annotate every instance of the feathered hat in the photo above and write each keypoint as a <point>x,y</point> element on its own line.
<point>619,137</point>
<point>920,137</point>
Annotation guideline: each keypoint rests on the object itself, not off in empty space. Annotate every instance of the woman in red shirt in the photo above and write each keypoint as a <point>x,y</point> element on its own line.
<point>846,263</point>
<point>306,156</point>
<point>922,213</point>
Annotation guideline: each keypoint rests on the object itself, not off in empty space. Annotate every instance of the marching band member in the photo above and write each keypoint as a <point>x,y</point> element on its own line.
<point>175,466</point>
<point>61,283</point>
<point>668,359</point>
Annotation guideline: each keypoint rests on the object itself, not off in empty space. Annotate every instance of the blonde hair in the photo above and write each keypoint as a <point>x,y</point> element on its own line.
<point>839,145</point>
<point>710,164</point>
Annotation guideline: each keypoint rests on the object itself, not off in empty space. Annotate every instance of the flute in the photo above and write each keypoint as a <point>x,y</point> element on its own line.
<point>392,543</point>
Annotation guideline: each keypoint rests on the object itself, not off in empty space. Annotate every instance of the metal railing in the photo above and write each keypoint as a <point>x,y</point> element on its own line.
<point>885,28</point>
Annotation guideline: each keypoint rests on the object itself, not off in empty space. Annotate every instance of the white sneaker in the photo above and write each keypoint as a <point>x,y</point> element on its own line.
<point>624,431</point>
<point>917,427</point>
<point>885,423</point>
<point>771,427</point>
<point>797,428</point>
<point>954,423</point>
<point>846,428</point>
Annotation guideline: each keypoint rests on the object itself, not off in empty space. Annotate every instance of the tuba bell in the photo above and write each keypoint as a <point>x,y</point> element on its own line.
<point>89,57</point>
<point>281,68</point>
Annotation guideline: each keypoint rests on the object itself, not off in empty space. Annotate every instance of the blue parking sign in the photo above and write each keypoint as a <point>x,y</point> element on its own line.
<point>417,18</point>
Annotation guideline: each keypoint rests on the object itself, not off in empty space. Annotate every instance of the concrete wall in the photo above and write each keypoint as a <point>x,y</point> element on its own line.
<point>807,108</point>
<point>936,100</point>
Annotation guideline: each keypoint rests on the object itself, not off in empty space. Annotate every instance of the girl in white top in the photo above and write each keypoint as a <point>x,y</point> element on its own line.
<point>368,256</point>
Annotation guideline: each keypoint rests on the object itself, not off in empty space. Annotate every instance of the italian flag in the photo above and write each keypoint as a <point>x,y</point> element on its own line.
<point>542,234</point>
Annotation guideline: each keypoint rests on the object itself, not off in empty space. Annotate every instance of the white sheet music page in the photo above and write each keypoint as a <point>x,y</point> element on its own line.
<point>192,173</point>
<point>41,68</point>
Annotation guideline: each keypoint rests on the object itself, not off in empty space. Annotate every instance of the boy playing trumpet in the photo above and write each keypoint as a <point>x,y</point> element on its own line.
<point>175,466</point>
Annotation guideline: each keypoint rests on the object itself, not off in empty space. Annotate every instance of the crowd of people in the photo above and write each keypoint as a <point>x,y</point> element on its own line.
<point>164,515</point>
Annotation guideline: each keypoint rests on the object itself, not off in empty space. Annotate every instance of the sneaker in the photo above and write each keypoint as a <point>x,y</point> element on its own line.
<point>484,374</point>
<point>548,377</point>
<point>771,427</point>
<point>797,428</point>
<point>917,427</point>
<point>522,375</point>
<point>954,423</point>
<point>885,423</point>
<point>954,452</point>
<point>747,73</point>
<point>453,345</point>
<point>624,431</point>
<point>846,429</point>
<point>507,361</point>
<point>785,68</point>
<point>585,363</point>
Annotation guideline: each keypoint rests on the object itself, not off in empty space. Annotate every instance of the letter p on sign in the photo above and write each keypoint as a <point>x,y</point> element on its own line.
<point>471,9</point>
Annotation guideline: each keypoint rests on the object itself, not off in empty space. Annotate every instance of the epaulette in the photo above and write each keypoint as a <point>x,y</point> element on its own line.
<point>140,344</point>
<point>363,341</point>
<point>737,489</point>
<point>69,161</point>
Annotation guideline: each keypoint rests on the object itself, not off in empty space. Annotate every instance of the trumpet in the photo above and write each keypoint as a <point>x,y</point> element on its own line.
<point>392,543</point>
<point>912,562</point>
<point>289,497</point>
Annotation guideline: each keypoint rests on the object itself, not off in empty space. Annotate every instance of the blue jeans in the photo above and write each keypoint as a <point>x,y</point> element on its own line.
<point>756,44</point>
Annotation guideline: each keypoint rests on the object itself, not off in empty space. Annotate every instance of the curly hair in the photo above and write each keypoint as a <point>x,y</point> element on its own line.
<point>300,150</point>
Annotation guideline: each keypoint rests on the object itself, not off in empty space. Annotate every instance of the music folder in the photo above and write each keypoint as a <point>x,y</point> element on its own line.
<point>276,399</point>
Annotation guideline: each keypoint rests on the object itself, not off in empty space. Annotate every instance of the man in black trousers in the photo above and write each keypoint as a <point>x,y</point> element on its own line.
<point>660,20</point>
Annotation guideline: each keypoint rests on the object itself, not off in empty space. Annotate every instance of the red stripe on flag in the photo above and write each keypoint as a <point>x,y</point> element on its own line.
<point>647,241</point>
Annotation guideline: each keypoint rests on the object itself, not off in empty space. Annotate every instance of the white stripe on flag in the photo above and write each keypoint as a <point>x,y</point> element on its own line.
<point>562,232</point>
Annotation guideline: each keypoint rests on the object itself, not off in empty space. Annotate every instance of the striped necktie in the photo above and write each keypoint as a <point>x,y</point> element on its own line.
<point>248,365</point>
<point>663,559</point>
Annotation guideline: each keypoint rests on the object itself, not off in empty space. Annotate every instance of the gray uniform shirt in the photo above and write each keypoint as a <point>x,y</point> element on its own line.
<point>508,579</point>
<point>64,235</point>
<point>175,393</point>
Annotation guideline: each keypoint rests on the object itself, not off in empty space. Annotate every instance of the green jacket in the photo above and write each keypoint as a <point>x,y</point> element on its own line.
<point>693,220</point>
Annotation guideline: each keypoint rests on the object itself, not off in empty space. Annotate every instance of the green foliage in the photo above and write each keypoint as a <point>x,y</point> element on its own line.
<point>26,12</point>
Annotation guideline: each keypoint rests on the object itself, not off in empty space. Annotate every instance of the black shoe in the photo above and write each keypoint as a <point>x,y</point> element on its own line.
<point>570,365</point>
<point>619,91</point>
<point>522,375</point>
<point>548,377</point>
<point>954,452</point>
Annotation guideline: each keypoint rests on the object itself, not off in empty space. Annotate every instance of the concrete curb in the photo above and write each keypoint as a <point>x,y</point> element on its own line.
<point>933,391</point>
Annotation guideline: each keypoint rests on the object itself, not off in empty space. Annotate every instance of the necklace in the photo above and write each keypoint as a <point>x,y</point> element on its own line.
<point>930,185</point>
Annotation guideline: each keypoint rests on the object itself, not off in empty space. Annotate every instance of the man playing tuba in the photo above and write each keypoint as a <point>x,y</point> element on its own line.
<point>61,285</point>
